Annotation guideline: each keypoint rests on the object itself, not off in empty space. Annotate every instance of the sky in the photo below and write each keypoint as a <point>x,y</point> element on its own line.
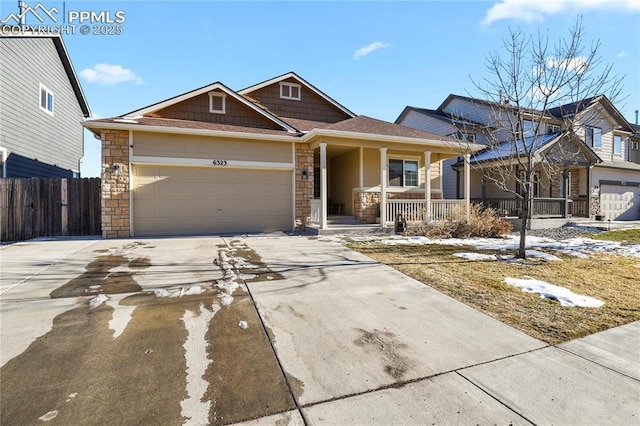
<point>374,58</point>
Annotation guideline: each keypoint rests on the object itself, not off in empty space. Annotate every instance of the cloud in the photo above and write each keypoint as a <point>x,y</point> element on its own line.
<point>536,10</point>
<point>577,64</point>
<point>364,51</point>
<point>623,54</point>
<point>110,75</point>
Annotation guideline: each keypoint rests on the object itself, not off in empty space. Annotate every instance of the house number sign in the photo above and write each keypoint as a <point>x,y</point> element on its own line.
<point>220,162</point>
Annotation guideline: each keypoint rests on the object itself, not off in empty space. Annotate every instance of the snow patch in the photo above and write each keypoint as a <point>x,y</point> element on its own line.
<point>226,299</point>
<point>97,301</point>
<point>194,407</point>
<point>243,325</point>
<point>49,416</point>
<point>121,314</point>
<point>182,291</point>
<point>71,396</point>
<point>476,256</point>
<point>563,295</point>
<point>541,255</point>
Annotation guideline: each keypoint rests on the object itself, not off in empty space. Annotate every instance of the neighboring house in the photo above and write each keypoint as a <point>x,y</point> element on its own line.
<point>601,177</point>
<point>41,108</point>
<point>275,156</point>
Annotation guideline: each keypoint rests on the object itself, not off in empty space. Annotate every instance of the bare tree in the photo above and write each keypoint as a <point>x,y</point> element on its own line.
<point>527,87</point>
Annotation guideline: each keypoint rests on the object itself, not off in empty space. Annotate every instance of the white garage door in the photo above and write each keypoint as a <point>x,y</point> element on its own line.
<point>619,202</point>
<point>198,200</point>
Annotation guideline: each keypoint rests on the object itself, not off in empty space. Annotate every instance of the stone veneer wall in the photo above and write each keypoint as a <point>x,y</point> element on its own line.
<point>304,188</point>
<point>115,185</point>
<point>365,204</point>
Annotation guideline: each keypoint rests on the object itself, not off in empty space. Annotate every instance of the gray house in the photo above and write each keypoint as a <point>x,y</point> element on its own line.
<point>42,107</point>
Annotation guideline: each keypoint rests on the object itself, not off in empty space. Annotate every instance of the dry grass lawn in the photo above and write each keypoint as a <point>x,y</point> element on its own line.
<point>613,279</point>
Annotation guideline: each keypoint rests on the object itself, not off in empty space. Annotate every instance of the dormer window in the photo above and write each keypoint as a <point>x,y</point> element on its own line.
<point>594,137</point>
<point>46,100</point>
<point>552,128</point>
<point>217,102</point>
<point>290,91</point>
<point>466,137</point>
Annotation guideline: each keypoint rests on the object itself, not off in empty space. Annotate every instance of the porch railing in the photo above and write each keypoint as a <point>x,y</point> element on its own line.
<point>542,207</point>
<point>415,210</point>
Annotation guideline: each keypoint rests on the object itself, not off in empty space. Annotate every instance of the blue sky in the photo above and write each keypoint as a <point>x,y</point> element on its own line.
<point>373,57</point>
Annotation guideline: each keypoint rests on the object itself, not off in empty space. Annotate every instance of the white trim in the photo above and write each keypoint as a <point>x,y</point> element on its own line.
<point>53,102</point>
<point>383,185</point>
<point>301,80</point>
<point>293,186</point>
<point>289,88</point>
<point>131,228</point>
<point>4,154</point>
<point>210,162</point>
<point>427,183</point>
<point>220,95</point>
<point>184,131</point>
<point>323,185</point>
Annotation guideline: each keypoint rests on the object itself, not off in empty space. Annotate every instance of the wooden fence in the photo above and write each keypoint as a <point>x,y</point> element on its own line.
<point>38,207</point>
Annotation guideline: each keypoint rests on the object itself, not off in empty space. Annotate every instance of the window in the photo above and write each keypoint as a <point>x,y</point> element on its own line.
<point>617,144</point>
<point>552,128</point>
<point>290,91</point>
<point>521,183</point>
<point>46,99</point>
<point>529,128</point>
<point>217,102</point>
<point>594,137</point>
<point>403,173</point>
<point>634,145</point>
<point>467,137</point>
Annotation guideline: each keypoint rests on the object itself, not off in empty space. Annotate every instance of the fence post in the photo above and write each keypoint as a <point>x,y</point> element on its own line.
<point>64,206</point>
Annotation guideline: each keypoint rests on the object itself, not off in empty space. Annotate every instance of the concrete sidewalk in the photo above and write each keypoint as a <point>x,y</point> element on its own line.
<point>364,344</point>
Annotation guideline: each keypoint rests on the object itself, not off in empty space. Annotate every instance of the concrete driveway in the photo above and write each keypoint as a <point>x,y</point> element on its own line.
<point>277,330</point>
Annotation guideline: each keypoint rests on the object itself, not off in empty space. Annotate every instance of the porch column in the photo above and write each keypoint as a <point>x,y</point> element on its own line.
<point>383,185</point>
<point>427,184</point>
<point>566,182</point>
<point>323,185</point>
<point>467,184</point>
<point>361,170</point>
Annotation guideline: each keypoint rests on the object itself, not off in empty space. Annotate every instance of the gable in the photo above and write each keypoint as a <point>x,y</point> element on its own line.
<point>291,96</point>
<point>197,108</point>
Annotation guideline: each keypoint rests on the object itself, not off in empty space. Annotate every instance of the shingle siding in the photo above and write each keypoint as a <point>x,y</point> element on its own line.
<point>310,106</point>
<point>25,129</point>
<point>236,113</point>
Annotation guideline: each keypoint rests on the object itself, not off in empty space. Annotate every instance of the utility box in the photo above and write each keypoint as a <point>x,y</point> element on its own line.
<point>400,224</point>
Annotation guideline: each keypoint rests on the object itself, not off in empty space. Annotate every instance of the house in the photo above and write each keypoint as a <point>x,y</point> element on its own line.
<point>275,156</point>
<point>41,108</point>
<point>600,177</point>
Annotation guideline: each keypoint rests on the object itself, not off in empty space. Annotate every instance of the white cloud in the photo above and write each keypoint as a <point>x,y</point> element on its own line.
<point>577,64</point>
<point>536,10</point>
<point>108,74</point>
<point>364,51</point>
<point>623,54</point>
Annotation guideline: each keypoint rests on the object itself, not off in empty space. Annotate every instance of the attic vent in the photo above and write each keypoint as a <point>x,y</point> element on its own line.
<point>217,102</point>
<point>290,91</point>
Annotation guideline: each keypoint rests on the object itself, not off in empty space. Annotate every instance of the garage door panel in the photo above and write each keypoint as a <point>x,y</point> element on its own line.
<point>192,200</point>
<point>620,202</point>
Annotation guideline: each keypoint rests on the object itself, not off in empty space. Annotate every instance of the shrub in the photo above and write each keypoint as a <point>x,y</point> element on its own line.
<point>483,222</point>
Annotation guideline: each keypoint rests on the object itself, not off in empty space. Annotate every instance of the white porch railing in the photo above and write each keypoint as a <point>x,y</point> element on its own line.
<point>316,211</point>
<point>415,210</point>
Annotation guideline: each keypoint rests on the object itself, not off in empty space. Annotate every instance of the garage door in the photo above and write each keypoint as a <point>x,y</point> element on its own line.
<point>619,202</point>
<point>196,200</point>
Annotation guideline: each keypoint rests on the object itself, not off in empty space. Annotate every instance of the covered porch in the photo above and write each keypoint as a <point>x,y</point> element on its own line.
<point>373,178</point>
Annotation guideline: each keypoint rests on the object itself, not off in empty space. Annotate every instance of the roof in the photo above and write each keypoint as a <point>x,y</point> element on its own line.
<point>305,125</point>
<point>368,125</point>
<point>507,149</point>
<point>579,106</point>
<point>66,64</point>
<point>302,81</point>
<point>489,103</point>
<point>170,123</point>
<point>439,115</point>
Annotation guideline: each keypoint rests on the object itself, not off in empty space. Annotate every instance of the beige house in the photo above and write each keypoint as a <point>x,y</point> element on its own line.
<point>277,156</point>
